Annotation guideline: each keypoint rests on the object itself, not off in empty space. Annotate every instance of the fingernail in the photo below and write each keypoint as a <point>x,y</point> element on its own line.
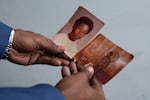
<point>88,65</point>
<point>90,69</point>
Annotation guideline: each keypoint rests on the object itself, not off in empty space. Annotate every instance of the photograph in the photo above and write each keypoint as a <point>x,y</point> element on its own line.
<point>107,58</point>
<point>78,31</point>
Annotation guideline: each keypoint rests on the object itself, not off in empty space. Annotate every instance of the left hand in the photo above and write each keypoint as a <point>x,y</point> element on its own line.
<point>31,48</point>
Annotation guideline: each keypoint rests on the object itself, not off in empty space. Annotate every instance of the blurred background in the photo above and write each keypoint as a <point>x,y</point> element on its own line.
<point>126,24</point>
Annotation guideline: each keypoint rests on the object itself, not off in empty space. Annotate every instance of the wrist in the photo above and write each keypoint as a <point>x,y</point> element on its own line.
<point>9,43</point>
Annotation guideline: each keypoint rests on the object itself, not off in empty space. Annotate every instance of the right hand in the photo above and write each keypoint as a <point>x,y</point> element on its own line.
<point>31,48</point>
<point>81,85</point>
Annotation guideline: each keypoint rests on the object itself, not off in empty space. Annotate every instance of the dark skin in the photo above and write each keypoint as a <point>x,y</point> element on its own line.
<point>30,48</point>
<point>80,85</point>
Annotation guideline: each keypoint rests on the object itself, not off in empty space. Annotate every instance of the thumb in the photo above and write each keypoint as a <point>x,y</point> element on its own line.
<point>50,46</point>
<point>89,71</point>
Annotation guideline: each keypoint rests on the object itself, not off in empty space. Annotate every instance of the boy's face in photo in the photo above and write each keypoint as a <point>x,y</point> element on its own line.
<point>79,31</point>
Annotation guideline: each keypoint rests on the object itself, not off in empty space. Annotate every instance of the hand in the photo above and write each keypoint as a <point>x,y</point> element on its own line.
<point>80,85</point>
<point>73,68</point>
<point>31,48</point>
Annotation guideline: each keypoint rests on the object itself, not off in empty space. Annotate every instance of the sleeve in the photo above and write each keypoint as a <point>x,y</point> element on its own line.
<point>4,38</point>
<point>38,92</point>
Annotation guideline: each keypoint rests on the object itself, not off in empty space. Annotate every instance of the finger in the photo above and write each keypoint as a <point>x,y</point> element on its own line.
<point>18,58</point>
<point>79,67</point>
<point>34,56</point>
<point>89,71</point>
<point>45,59</point>
<point>98,87</point>
<point>64,56</point>
<point>73,67</point>
<point>65,71</point>
<point>95,84</point>
<point>82,68</point>
<point>88,65</point>
<point>50,46</point>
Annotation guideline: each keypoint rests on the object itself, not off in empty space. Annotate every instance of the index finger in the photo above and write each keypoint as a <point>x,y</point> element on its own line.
<point>49,46</point>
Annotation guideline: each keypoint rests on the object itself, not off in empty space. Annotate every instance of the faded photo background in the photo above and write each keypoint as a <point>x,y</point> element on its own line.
<point>127,24</point>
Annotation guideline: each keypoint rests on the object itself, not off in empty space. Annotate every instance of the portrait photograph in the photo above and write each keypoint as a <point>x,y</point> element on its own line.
<point>78,31</point>
<point>107,58</point>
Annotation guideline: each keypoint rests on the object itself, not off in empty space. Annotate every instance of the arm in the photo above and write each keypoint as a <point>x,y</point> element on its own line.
<point>38,92</point>
<point>29,48</point>
<point>4,38</point>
